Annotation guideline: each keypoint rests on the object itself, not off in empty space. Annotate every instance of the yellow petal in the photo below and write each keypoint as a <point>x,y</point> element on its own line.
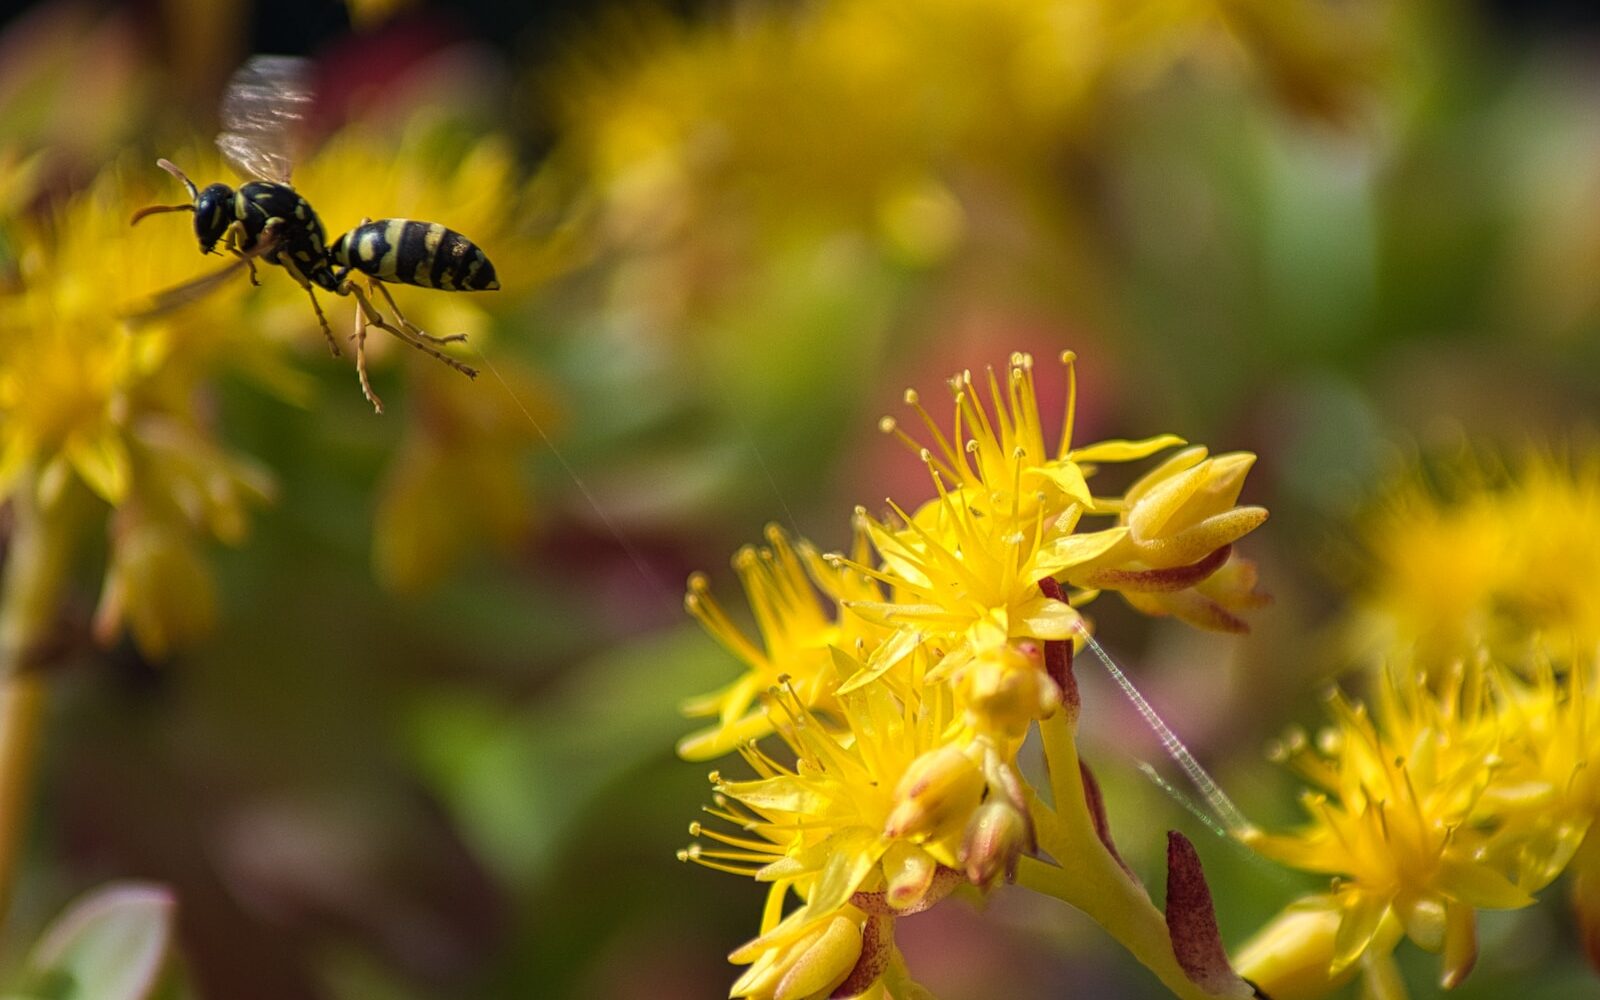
<point>1124,451</point>
<point>713,742</point>
<point>1068,478</point>
<point>1478,885</point>
<point>1363,914</point>
<point>1044,618</point>
<point>102,461</point>
<point>1076,550</point>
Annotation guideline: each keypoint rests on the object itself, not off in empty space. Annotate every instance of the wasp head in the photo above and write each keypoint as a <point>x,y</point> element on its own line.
<point>213,214</point>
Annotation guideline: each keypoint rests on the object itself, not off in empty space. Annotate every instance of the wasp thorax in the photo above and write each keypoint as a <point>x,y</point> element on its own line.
<point>213,214</point>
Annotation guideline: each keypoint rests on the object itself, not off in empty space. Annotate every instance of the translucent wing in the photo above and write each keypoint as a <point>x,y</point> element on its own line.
<point>263,109</point>
<point>178,296</point>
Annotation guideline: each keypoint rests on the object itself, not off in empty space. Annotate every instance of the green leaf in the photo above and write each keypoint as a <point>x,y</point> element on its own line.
<point>110,945</point>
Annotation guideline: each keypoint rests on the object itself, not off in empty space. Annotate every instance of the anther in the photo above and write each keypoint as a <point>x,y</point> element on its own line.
<point>911,397</point>
<point>887,425</point>
<point>694,828</point>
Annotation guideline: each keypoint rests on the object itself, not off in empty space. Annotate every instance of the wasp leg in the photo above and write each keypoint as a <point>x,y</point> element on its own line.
<point>412,328</point>
<point>376,319</point>
<point>231,241</point>
<point>327,331</point>
<point>361,361</point>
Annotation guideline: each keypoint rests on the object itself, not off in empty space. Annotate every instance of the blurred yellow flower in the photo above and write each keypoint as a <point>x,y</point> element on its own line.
<point>1495,560</point>
<point>1547,787</point>
<point>86,398</point>
<point>1402,819</point>
<point>458,481</point>
<point>710,153</point>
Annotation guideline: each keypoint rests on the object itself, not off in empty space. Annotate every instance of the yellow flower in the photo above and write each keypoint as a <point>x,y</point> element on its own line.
<point>1495,560</point>
<point>905,695</point>
<point>71,374</point>
<point>183,486</point>
<point>1170,552</point>
<point>995,458</point>
<point>1292,957</point>
<point>1547,788</point>
<point>870,823</point>
<point>1396,820</point>
<point>879,806</point>
<point>800,642</point>
<point>85,398</point>
<point>700,141</point>
<point>456,484</point>
<point>968,580</point>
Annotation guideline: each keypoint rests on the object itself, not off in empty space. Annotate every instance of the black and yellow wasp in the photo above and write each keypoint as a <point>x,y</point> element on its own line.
<point>267,219</point>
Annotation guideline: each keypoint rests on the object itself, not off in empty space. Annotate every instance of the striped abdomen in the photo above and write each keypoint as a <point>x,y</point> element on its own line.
<point>415,253</point>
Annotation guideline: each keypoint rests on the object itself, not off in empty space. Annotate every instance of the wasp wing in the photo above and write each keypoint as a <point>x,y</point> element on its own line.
<point>178,296</point>
<point>263,111</point>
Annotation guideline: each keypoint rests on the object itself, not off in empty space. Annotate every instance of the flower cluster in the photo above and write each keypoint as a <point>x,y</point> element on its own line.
<point>1471,782</point>
<point>90,407</point>
<point>1474,793</point>
<point>731,161</point>
<point>904,675</point>
<point>1455,567</point>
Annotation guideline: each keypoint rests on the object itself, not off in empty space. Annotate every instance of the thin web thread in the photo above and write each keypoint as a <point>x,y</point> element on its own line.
<point>755,449</point>
<point>639,563</point>
<point>1222,808</point>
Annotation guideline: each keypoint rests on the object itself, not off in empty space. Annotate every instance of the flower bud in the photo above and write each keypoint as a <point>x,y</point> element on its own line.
<point>1006,688</point>
<point>808,967</point>
<point>1291,958</point>
<point>996,837</point>
<point>157,585</point>
<point>939,790</point>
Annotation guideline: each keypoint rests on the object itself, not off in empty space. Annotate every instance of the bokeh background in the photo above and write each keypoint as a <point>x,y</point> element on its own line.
<point>425,748</point>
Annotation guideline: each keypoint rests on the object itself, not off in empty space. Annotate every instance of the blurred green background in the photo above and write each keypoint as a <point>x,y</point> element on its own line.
<point>396,771</point>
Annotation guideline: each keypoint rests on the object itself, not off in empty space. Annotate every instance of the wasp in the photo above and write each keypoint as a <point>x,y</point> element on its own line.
<point>266,219</point>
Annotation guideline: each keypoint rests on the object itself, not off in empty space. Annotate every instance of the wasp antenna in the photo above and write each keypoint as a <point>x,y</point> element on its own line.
<point>157,210</point>
<point>171,168</point>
